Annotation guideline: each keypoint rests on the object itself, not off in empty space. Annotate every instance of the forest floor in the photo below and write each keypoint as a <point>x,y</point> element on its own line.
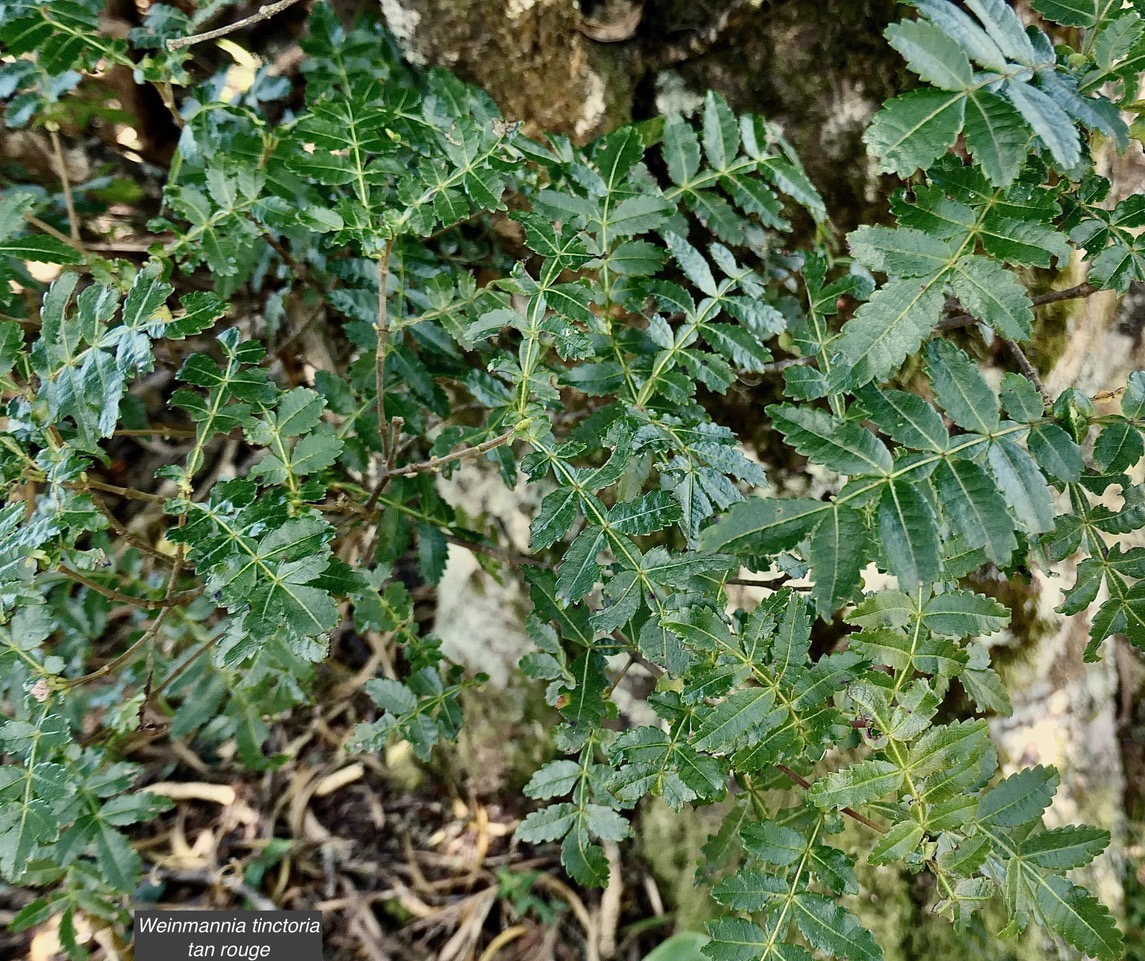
<point>402,871</point>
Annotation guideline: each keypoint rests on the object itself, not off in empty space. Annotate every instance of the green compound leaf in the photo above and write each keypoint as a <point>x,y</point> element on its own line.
<point>884,332</point>
<point>846,448</point>
<point>975,509</point>
<point>1070,13</point>
<point>1018,799</point>
<point>915,129</point>
<point>930,53</point>
<point>1022,485</point>
<point>908,533</point>
<point>996,136</point>
<point>962,390</point>
<point>1077,916</point>
<point>906,417</point>
<point>836,555</point>
<point>1064,848</point>
<point>897,843</point>
<point>856,785</point>
<point>993,295</point>
<point>830,928</point>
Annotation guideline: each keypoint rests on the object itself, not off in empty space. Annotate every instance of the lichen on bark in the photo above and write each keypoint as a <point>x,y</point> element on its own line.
<point>529,55</point>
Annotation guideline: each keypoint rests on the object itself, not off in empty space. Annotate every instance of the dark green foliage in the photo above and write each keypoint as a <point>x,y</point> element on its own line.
<point>587,359</point>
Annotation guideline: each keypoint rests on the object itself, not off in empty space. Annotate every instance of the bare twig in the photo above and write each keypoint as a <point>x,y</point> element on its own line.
<point>132,539</point>
<point>498,553</point>
<point>131,495</point>
<point>436,463</point>
<point>52,232</point>
<point>265,12</point>
<point>65,186</point>
<point>650,666</point>
<point>776,366</point>
<point>389,471</point>
<point>1069,293</point>
<point>383,331</point>
<point>173,600</point>
<point>1028,370</point>
<point>126,656</point>
<point>301,271</point>
<point>619,677</point>
<point>182,668</point>
<point>778,581</point>
<point>850,812</point>
<point>156,431</point>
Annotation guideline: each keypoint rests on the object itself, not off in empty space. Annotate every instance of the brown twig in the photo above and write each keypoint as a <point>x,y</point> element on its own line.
<point>127,492</point>
<point>174,600</point>
<point>498,553</point>
<point>619,677</point>
<point>52,232</point>
<point>301,271</point>
<point>157,431</point>
<point>126,655</point>
<point>265,12</point>
<point>759,582</point>
<point>850,812</point>
<point>182,668</point>
<point>65,186</point>
<point>1028,370</point>
<point>777,366</point>
<point>1069,293</point>
<point>436,463</point>
<point>132,539</point>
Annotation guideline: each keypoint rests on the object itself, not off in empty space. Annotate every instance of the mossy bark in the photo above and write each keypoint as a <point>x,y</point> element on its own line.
<point>820,70</point>
<point>529,55</point>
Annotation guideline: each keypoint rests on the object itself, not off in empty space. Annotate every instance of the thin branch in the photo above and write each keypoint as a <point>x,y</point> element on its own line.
<point>1069,293</point>
<point>433,464</point>
<point>498,553</point>
<point>132,539</point>
<point>127,492</point>
<point>436,463</point>
<point>156,431</point>
<point>265,12</point>
<point>776,366</point>
<point>777,581</point>
<point>62,171</point>
<point>295,334</point>
<point>301,270</point>
<point>153,631</point>
<point>119,597</point>
<point>126,656</point>
<point>1028,369</point>
<point>650,666</point>
<point>850,812</point>
<point>52,232</point>
<point>619,677</point>
<point>182,668</point>
<point>382,329</point>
